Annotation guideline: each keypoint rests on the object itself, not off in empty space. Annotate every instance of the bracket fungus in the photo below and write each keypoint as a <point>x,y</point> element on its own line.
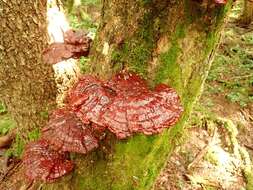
<point>220,1</point>
<point>76,37</point>
<point>76,44</point>
<point>43,163</point>
<point>65,132</point>
<point>136,109</point>
<point>124,105</point>
<point>89,99</point>
<point>126,83</point>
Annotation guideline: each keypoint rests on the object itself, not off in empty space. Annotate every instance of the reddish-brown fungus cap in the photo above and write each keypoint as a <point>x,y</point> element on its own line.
<point>139,110</point>
<point>43,163</point>
<point>220,1</point>
<point>80,92</point>
<point>76,44</point>
<point>66,132</point>
<point>126,83</point>
<point>58,52</point>
<point>89,98</point>
<point>76,37</point>
<point>125,105</point>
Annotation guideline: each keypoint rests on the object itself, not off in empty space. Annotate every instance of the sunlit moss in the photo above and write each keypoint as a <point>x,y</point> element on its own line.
<point>6,124</point>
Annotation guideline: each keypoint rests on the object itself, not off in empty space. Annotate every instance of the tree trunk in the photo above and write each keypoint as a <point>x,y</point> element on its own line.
<point>26,84</point>
<point>169,41</point>
<point>247,15</point>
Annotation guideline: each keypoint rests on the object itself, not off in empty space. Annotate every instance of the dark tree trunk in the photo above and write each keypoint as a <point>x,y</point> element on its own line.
<point>171,42</point>
<point>26,84</point>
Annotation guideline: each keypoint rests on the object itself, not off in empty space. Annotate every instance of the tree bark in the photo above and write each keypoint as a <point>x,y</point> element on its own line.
<point>247,15</point>
<point>169,41</point>
<point>26,83</point>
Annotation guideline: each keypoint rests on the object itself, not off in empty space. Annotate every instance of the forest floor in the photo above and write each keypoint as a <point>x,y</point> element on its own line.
<point>218,142</point>
<point>216,148</point>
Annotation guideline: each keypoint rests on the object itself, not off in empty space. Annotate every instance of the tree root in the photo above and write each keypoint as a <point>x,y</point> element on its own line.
<point>239,151</point>
<point>248,146</point>
<point>7,139</point>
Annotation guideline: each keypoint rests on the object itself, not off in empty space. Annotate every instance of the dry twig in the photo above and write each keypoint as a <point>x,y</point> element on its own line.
<point>201,154</point>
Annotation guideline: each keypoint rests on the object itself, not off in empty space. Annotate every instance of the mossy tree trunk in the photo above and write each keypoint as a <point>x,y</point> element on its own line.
<point>26,83</point>
<point>247,15</point>
<point>171,42</point>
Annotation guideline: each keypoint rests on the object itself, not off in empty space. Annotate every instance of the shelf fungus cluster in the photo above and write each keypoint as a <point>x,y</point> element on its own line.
<point>124,105</point>
<point>76,44</point>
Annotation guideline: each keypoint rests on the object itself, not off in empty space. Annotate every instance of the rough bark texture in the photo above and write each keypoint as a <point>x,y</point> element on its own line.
<point>247,15</point>
<point>164,41</point>
<point>26,84</point>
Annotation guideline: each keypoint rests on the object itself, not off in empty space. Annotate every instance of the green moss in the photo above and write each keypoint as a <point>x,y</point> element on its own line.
<point>116,56</point>
<point>84,65</point>
<point>211,40</point>
<point>17,147</point>
<point>2,108</point>
<point>145,2</point>
<point>136,52</point>
<point>6,124</point>
<point>135,56</point>
<point>170,68</point>
<point>139,56</point>
<point>44,114</point>
<point>248,173</point>
<point>134,164</point>
<point>180,31</point>
<point>136,158</point>
<point>34,134</point>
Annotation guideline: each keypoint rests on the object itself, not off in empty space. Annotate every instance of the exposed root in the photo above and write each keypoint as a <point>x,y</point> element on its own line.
<point>248,146</point>
<point>10,170</point>
<point>240,152</point>
<point>7,139</point>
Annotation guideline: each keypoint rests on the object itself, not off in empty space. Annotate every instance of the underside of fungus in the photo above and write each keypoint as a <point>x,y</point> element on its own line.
<point>124,105</point>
